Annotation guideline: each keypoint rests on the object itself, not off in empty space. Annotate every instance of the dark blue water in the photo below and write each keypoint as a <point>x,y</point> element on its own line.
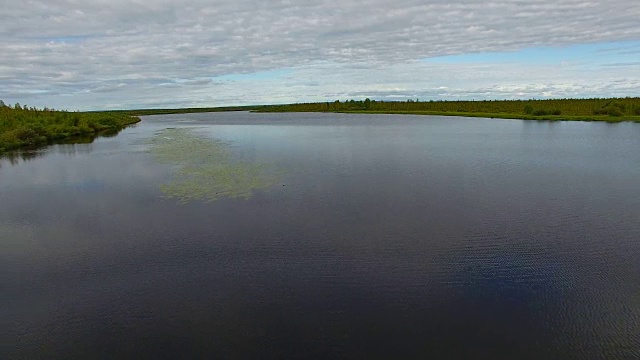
<point>386,236</point>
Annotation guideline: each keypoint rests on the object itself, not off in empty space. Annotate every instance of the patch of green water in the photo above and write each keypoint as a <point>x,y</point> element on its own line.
<point>204,168</point>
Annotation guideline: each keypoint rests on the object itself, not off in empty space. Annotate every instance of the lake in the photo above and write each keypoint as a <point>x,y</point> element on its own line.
<point>245,235</point>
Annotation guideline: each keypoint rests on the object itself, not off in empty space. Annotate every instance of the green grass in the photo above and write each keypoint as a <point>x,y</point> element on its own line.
<point>27,127</point>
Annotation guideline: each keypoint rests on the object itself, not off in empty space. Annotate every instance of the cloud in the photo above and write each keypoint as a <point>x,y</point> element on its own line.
<point>52,51</point>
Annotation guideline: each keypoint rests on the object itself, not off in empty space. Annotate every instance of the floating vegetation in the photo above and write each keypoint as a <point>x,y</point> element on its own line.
<point>205,169</point>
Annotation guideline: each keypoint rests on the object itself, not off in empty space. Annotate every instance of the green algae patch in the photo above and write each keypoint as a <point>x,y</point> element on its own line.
<point>204,168</point>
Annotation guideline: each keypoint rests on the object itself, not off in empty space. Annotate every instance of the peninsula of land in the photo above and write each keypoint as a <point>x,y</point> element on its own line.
<point>22,126</point>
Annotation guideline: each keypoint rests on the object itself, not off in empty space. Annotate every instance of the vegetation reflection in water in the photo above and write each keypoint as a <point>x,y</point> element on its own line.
<point>205,168</point>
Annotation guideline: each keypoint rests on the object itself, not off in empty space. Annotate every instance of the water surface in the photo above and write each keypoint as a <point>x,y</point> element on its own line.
<point>380,236</point>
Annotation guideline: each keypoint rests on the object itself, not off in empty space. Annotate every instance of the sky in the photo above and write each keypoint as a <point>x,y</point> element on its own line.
<point>122,54</point>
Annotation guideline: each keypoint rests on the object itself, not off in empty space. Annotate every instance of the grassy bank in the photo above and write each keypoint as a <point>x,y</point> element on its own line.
<point>22,126</point>
<point>609,110</point>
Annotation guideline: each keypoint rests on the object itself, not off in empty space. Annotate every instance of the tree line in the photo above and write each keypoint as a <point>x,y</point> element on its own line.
<point>614,107</point>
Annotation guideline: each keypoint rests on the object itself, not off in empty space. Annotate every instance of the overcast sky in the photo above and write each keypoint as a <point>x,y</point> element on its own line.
<point>112,54</point>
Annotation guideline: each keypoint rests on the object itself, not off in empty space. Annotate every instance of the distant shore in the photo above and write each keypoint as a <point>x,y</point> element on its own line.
<point>605,118</point>
<point>612,110</point>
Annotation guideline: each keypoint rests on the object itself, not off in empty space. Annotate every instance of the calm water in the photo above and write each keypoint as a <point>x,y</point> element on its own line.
<point>383,236</point>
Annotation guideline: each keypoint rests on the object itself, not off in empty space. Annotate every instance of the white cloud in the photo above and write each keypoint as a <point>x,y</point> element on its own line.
<point>85,54</point>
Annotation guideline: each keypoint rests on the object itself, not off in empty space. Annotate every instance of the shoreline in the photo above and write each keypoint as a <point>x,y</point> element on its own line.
<point>583,118</point>
<point>43,140</point>
<point>611,110</point>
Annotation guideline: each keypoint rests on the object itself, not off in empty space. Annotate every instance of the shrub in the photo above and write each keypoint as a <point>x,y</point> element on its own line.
<point>612,108</point>
<point>24,133</point>
<point>614,111</point>
<point>528,109</point>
